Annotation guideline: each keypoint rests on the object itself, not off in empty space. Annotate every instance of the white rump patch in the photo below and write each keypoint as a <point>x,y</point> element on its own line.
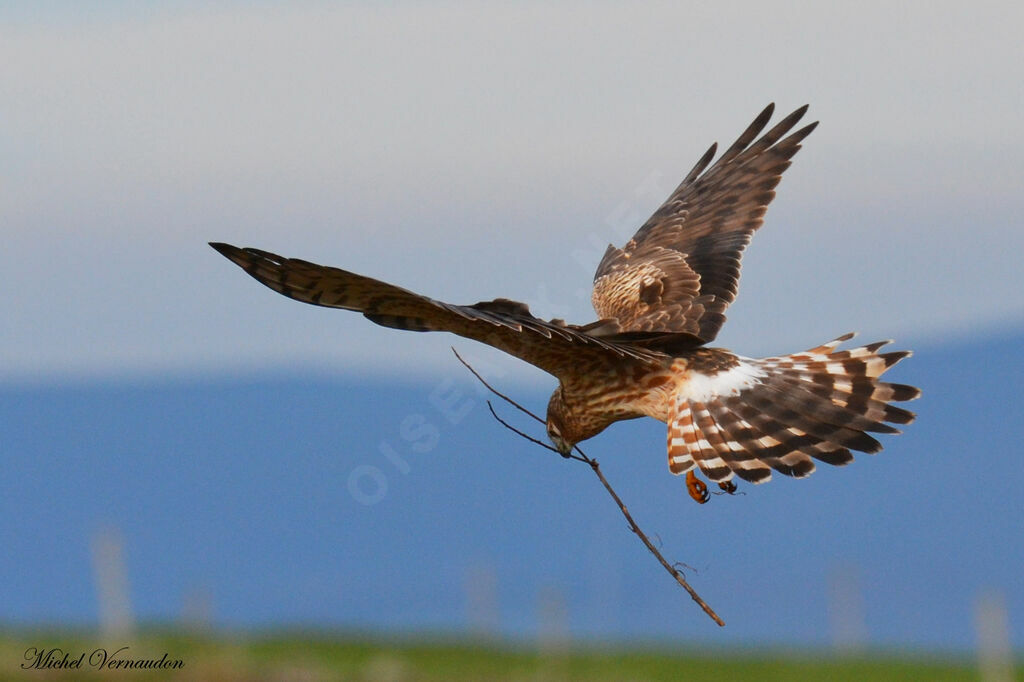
<point>703,388</point>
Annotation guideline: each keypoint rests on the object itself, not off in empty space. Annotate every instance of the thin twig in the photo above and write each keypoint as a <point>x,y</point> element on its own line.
<point>595,467</point>
<point>497,392</point>
<point>673,571</point>
<point>531,438</point>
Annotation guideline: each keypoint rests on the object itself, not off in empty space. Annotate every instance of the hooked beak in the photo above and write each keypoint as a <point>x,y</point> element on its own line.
<point>563,448</point>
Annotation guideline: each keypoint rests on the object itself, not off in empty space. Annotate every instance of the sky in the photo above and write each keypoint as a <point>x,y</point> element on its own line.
<point>476,150</point>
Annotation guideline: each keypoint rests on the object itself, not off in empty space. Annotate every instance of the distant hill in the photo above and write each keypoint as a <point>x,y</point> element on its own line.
<point>278,500</point>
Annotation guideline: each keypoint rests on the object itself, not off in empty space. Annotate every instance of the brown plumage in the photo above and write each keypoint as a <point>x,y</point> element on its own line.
<point>660,299</point>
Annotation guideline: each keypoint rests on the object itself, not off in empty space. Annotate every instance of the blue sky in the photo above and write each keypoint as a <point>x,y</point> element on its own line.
<point>474,150</point>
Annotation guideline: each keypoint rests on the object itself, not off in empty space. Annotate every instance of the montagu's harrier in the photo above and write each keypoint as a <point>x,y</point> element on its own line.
<point>660,299</point>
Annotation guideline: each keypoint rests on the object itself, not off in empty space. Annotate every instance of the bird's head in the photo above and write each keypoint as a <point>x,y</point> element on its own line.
<point>573,419</point>
<point>559,423</point>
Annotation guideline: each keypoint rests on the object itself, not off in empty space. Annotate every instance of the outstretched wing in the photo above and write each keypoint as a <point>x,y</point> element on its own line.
<point>508,325</point>
<point>681,270</point>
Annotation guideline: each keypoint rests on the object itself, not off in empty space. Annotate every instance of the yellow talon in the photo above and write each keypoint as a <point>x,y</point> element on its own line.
<point>698,490</point>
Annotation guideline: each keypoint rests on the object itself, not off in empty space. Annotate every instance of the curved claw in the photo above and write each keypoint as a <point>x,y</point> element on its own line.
<point>697,488</point>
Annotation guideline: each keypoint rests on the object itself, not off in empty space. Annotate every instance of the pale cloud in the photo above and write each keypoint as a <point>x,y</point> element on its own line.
<point>469,151</point>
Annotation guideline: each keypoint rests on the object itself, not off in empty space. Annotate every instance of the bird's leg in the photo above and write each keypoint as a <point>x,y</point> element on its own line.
<point>728,486</point>
<point>698,490</point>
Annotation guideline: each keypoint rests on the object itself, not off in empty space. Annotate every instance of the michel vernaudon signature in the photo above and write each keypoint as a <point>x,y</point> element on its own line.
<point>98,659</point>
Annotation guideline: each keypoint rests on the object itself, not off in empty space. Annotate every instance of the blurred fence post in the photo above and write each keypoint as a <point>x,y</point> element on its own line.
<point>553,623</point>
<point>846,608</point>
<point>111,577</point>
<point>197,610</point>
<point>995,657</point>
<point>482,600</point>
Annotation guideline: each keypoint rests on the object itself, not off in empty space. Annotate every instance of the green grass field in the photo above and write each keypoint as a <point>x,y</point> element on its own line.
<point>322,656</point>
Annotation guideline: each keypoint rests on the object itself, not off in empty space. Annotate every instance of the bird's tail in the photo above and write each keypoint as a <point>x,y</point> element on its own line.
<point>782,413</point>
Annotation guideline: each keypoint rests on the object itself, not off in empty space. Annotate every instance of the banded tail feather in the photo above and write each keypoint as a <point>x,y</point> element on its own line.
<point>746,417</point>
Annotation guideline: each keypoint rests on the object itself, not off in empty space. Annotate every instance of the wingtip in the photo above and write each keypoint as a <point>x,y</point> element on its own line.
<point>222,248</point>
<point>765,115</point>
<point>696,170</point>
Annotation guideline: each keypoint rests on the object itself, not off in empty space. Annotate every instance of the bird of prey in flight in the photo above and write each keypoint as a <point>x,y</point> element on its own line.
<point>660,299</point>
